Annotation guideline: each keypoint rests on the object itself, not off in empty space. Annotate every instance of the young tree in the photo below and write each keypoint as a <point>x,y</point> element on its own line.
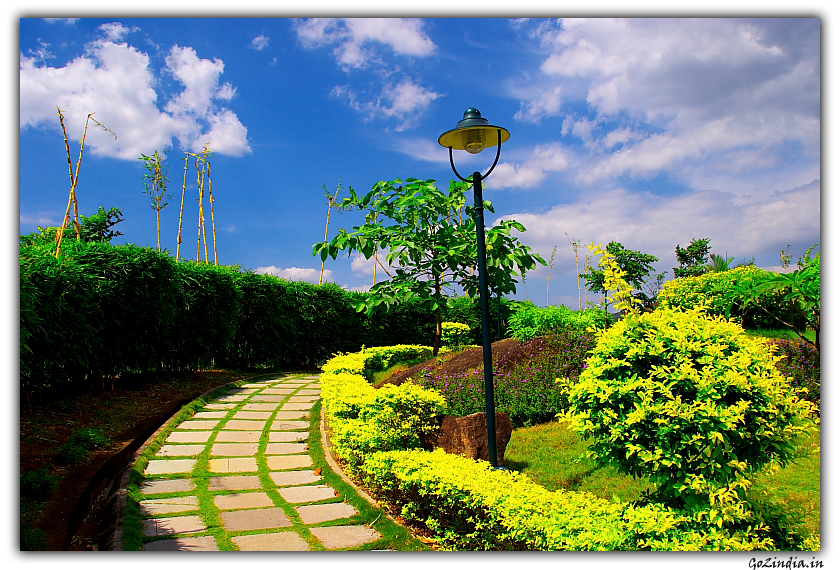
<point>416,223</point>
<point>692,259</point>
<point>635,266</point>
<point>155,181</point>
<point>92,228</point>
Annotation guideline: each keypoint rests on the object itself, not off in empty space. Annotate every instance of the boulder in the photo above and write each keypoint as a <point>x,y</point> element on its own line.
<point>467,435</point>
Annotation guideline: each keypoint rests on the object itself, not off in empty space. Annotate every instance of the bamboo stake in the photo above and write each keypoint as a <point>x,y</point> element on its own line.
<point>181,216</point>
<point>331,198</point>
<point>212,207</point>
<point>199,185</point>
<point>548,285</point>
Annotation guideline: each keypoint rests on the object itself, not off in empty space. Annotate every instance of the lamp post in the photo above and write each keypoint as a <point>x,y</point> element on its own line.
<point>473,134</point>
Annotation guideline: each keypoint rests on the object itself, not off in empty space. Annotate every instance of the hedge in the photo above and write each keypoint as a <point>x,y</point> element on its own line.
<point>102,311</point>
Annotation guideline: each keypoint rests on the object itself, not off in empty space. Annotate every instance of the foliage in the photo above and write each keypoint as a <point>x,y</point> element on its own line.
<point>530,321</point>
<point>633,267</point>
<point>93,228</point>
<point>38,485</point>
<point>527,391</point>
<point>432,242</point>
<point>455,334</point>
<point>800,363</point>
<point>376,359</point>
<point>692,259</point>
<point>467,310</point>
<point>800,288</point>
<point>692,403</point>
<point>81,442</point>
<point>713,292</point>
<point>470,506</point>
<point>155,181</point>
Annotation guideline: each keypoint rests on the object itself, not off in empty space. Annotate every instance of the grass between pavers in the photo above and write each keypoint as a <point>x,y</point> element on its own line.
<point>555,457</point>
<point>394,536</point>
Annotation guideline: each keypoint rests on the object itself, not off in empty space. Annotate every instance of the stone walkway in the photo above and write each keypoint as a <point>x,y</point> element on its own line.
<point>239,471</point>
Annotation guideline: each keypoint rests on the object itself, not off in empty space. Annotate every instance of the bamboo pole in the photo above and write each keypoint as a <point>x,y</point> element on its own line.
<point>198,184</point>
<point>181,215</point>
<point>212,207</point>
<point>203,218</point>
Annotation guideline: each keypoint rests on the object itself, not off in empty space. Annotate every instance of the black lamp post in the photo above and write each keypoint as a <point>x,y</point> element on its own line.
<point>473,134</point>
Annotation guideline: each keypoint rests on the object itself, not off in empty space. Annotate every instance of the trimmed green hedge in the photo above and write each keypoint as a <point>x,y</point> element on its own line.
<point>102,311</point>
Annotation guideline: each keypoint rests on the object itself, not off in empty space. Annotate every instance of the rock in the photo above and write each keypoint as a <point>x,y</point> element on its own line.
<point>467,435</point>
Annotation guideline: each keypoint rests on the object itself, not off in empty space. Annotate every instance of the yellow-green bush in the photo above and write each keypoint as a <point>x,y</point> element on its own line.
<point>455,334</point>
<point>470,506</point>
<point>375,359</point>
<point>691,402</point>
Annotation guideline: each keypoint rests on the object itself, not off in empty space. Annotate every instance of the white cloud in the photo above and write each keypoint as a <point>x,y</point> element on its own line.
<point>115,81</point>
<point>357,38</point>
<point>699,99</point>
<point>531,173</point>
<point>260,42</point>
<point>115,31</point>
<point>655,224</point>
<point>296,273</point>
<point>405,102</point>
<point>67,21</point>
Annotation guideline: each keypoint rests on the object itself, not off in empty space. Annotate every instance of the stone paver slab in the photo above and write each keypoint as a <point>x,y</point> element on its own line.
<point>278,391</point>
<point>304,398</point>
<point>256,519</point>
<point>234,449</point>
<point>243,501</point>
<point>245,425</point>
<point>291,415</point>
<point>251,415</point>
<point>258,384</point>
<point>333,537</point>
<point>198,424</point>
<point>297,406</point>
<point>313,514</point>
<point>292,384</point>
<point>287,436</point>
<point>271,542</point>
<point>216,406</point>
<point>235,391</point>
<point>170,505</point>
<point>238,436</point>
<point>174,525</point>
<point>233,465</point>
<point>287,478</point>
<point>307,494</point>
<point>309,392</point>
<point>285,425</point>
<point>260,407</point>
<point>234,483</point>
<point>167,486</point>
<point>164,466</point>
<point>189,436</point>
<point>268,398</point>
<point>210,415</point>
<point>279,462</point>
<point>180,450</point>
<point>234,398</point>
<point>285,448</point>
<point>188,544</point>
<point>315,377</point>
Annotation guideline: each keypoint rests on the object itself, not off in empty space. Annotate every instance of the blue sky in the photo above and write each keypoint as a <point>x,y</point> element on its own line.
<point>646,131</point>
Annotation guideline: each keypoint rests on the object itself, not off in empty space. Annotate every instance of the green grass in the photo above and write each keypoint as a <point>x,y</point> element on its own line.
<point>553,456</point>
<point>781,333</point>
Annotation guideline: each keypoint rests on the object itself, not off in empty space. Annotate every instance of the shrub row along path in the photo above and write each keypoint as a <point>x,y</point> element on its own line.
<point>243,462</point>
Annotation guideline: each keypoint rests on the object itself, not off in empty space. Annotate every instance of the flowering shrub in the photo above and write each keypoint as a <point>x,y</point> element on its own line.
<point>800,363</point>
<point>375,359</point>
<point>527,392</point>
<point>692,403</point>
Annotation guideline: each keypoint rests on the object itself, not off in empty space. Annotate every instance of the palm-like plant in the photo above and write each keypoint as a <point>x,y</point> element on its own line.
<point>719,263</point>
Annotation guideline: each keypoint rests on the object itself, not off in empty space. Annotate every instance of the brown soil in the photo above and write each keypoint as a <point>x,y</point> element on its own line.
<point>506,354</point>
<point>123,414</point>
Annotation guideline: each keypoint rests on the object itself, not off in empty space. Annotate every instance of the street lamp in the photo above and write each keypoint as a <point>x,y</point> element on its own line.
<point>473,134</point>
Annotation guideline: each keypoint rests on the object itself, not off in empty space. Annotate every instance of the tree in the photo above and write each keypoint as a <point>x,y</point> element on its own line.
<point>801,287</point>
<point>432,244</point>
<point>93,228</point>
<point>635,267</point>
<point>155,181</point>
<point>692,259</point>
<point>718,263</point>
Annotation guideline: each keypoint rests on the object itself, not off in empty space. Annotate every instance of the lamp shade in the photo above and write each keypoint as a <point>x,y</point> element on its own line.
<point>473,133</point>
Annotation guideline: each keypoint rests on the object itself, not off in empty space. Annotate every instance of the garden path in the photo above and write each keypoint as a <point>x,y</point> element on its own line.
<point>239,471</point>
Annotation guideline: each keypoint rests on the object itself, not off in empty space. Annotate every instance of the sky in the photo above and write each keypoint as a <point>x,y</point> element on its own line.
<point>646,131</point>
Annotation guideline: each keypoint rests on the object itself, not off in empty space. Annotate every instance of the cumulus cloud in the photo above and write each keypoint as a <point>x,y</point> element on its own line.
<point>656,224</point>
<point>530,173</point>
<point>674,95</point>
<point>116,81</point>
<point>295,273</point>
<point>260,42</point>
<point>406,102</point>
<point>357,39</point>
